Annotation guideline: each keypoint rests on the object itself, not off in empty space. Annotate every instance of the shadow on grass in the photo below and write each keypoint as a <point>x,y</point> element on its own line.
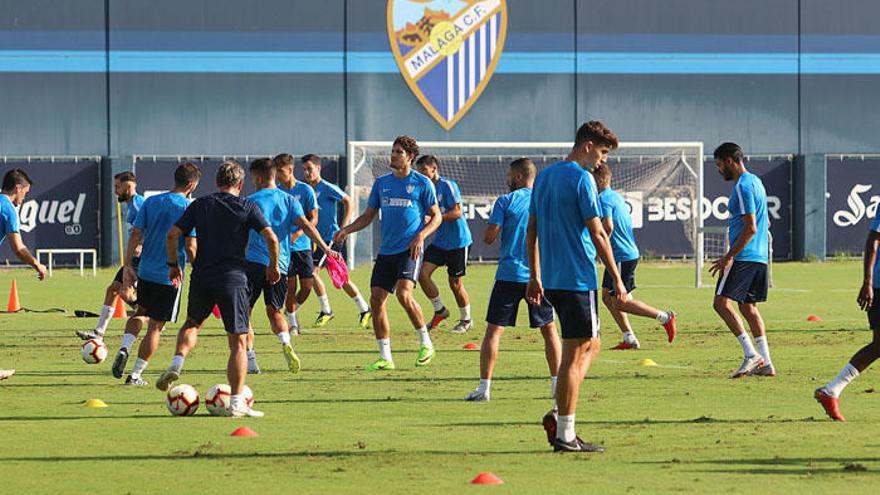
<point>636,422</point>
<point>90,418</point>
<point>799,466</point>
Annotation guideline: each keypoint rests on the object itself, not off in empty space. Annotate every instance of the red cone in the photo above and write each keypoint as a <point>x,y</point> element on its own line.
<point>487,478</point>
<point>813,318</point>
<point>243,431</point>
<point>470,346</point>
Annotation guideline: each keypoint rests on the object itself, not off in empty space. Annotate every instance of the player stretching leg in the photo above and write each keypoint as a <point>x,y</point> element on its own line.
<point>510,218</point>
<point>563,238</point>
<point>618,224</point>
<point>450,248</point>
<point>829,395</point>
<point>222,221</point>
<point>158,297</point>
<point>743,270</point>
<point>125,188</point>
<point>329,195</point>
<point>285,215</point>
<point>301,261</point>
<point>405,197</point>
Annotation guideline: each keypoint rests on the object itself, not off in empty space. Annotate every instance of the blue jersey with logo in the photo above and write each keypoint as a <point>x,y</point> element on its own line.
<point>8,217</point>
<point>134,206</point>
<point>156,217</point>
<point>623,242</point>
<point>511,213</point>
<point>281,210</point>
<point>749,197</point>
<point>564,198</point>
<point>328,196</point>
<point>450,235</point>
<point>875,226</point>
<point>403,204</point>
<point>303,193</point>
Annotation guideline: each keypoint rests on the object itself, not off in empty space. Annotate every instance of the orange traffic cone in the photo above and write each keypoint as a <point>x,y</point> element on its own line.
<point>119,308</point>
<point>14,304</point>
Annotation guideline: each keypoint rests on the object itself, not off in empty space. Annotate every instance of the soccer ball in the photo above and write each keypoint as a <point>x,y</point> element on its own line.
<point>94,351</point>
<point>248,396</point>
<point>217,400</point>
<point>182,400</point>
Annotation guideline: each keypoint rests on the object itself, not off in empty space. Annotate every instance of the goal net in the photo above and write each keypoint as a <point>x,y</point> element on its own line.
<point>661,182</point>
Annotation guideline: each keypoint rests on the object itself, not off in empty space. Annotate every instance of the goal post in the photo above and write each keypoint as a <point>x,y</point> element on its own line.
<point>662,183</point>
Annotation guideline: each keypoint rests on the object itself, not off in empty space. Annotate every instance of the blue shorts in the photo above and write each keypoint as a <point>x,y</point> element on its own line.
<point>273,295</point>
<point>389,268</point>
<point>504,306</point>
<point>232,299</point>
<point>135,262</point>
<point>454,259</point>
<point>578,312</point>
<point>744,282</point>
<point>160,302</point>
<point>627,271</point>
<point>874,313</point>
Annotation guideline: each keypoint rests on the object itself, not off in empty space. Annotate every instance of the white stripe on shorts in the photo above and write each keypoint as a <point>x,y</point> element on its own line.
<point>594,317</point>
<point>176,307</point>
<point>723,280</point>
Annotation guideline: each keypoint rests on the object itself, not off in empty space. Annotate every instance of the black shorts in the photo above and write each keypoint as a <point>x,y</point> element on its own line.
<point>454,259</point>
<point>273,295</point>
<point>389,268</point>
<point>135,262</point>
<point>232,299</point>
<point>627,271</point>
<point>319,253</point>
<point>302,264</point>
<point>578,312</point>
<point>160,302</point>
<point>874,312</point>
<point>504,306</point>
<point>744,282</point>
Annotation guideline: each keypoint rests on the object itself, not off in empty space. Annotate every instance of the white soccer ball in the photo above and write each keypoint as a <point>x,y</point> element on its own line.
<point>182,400</point>
<point>217,400</point>
<point>248,396</point>
<point>94,351</point>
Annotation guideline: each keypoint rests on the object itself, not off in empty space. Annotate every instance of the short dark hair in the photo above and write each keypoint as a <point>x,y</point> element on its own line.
<point>602,173</point>
<point>127,176</point>
<point>16,177</point>
<point>283,160</point>
<point>729,150</point>
<point>426,160</point>
<point>524,166</point>
<point>262,166</point>
<point>186,173</point>
<point>311,157</point>
<point>229,174</point>
<point>408,144</point>
<point>597,133</point>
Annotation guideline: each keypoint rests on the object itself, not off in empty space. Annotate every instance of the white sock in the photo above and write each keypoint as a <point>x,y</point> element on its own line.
<point>763,349</point>
<point>466,313</point>
<point>324,301</point>
<point>177,363</point>
<point>385,349</point>
<point>630,337</point>
<point>438,304</point>
<point>236,401</point>
<point>362,305</point>
<point>291,320</point>
<point>128,341</point>
<point>746,343</point>
<point>284,338</point>
<point>846,375</point>
<point>553,387</point>
<point>251,355</point>
<point>424,338</point>
<point>139,366</point>
<point>104,319</point>
<point>484,385</point>
<point>565,428</point>
<point>663,317</point>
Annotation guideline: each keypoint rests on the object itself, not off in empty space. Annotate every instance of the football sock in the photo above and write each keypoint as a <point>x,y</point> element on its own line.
<point>424,338</point>
<point>553,387</point>
<point>128,341</point>
<point>139,366</point>
<point>746,343</point>
<point>385,349</point>
<point>565,428</point>
<point>663,317</point>
<point>846,375</point>
<point>291,320</point>
<point>284,338</point>
<point>485,383</point>
<point>465,313</point>
<point>104,319</point>
<point>763,349</point>
<point>324,301</point>
<point>361,304</point>
<point>630,337</point>
<point>177,363</point>
<point>438,304</point>
<point>251,355</point>
<point>236,402</point>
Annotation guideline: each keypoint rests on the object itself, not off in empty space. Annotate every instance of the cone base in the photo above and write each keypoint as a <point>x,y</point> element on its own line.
<point>243,431</point>
<point>487,478</point>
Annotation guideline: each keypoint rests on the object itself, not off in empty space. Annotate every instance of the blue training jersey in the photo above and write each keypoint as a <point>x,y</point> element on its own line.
<point>8,218</point>
<point>749,197</point>
<point>563,199</point>
<point>511,213</point>
<point>403,204</point>
<point>875,226</point>
<point>450,235</point>
<point>281,210</point>
<point>623,241</point>
<point>134,206</point>
<point>303,193</point>
<point>328,195</point>
<point>157,215</point>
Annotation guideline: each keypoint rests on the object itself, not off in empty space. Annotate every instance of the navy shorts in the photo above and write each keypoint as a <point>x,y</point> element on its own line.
<point>135,262</point>
<point>318,255</point>
<point>627,271</point>
<point>231,298</point>
<point>302,264</point>
<point>578,312</point>
<point>160,302</point>
<point>504,306</point>
<point>744,282</point>
<point>273,295</point>
<point>454,259</point>
<point>874,312</point>
<point>389,268</point>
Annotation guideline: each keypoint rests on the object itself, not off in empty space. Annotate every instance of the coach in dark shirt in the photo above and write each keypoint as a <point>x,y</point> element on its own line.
<point>222,221</point>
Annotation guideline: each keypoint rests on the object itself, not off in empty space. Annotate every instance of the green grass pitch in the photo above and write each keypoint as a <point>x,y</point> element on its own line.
<point>680,427</point>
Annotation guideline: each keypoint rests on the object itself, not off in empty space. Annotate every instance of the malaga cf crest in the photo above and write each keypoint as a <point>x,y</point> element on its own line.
<point>447,50</point>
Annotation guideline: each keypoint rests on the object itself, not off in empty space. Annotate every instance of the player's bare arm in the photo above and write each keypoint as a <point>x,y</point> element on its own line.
<point>175,274</point>
<point>491,234</point>
<point>603,248</point>
<point>308,228</point>
<point>360,223</point>
<point>750,228</point>
<point>135,241</point>
<point>534,290</point>
<point>453,214</point>
<point>25,256</point>
<point>866,294</point>
<point>431,226</point>
<point>273,274</point>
